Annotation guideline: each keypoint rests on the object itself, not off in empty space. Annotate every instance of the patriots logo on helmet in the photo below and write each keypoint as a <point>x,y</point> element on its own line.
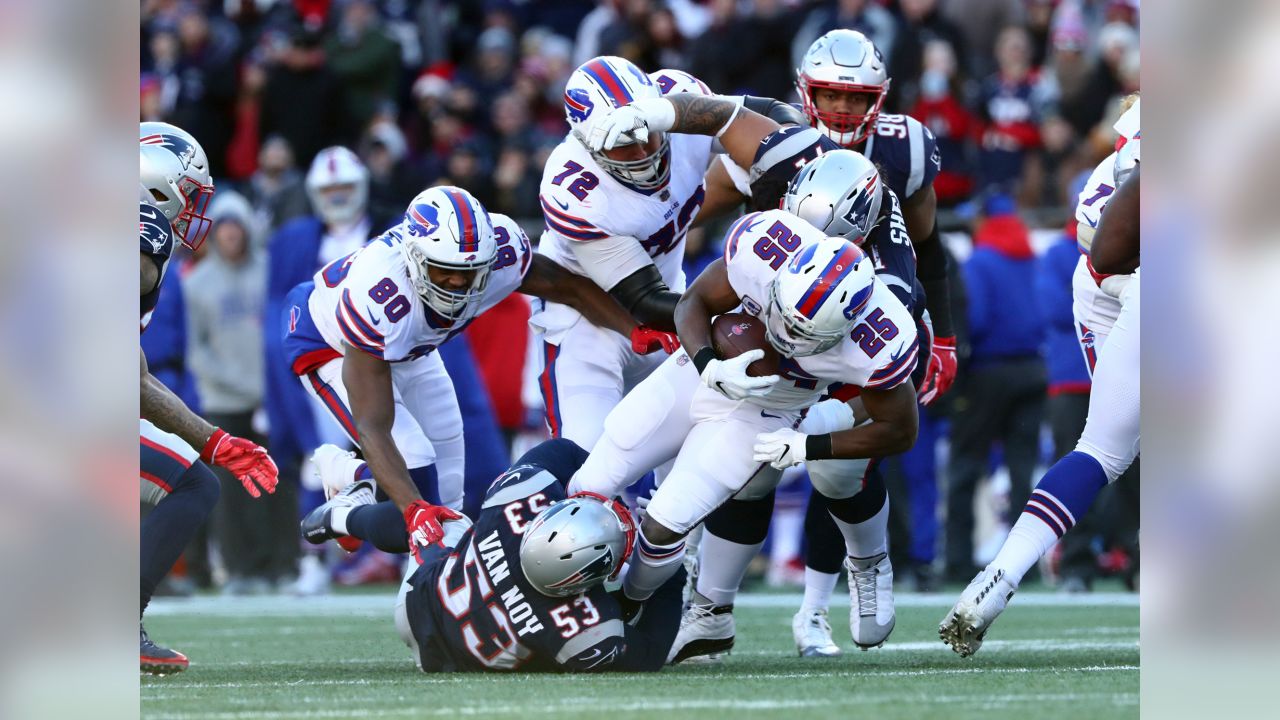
<point>185,151</point>
<point>422,220</point>
<point>154,234</point>
<point>601,566</point>
<point>578,104</point>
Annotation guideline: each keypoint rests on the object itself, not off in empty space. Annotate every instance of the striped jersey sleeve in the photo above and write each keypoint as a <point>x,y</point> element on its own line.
<point>358,329</point>
<point>898,366</point>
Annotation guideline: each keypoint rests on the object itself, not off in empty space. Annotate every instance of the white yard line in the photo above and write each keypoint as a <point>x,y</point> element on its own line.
<point>378,605</point>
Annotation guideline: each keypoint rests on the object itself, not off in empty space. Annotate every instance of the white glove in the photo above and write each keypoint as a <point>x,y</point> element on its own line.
<point>730,378</point>
<point>780,448</point>
<point>827,416</point>
<point>636,120</point>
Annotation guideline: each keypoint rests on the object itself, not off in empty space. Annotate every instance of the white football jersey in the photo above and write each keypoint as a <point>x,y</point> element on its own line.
<point>583,203</point>
<point>879,353</point>
<point>1093,199</point>
<point>366,299</point>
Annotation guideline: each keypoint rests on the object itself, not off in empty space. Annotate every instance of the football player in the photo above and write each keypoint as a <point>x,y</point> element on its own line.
<point>1107,447</point>
<point>362,335</point>
<point>617,215</point>
<point>173,476</point>
<point>522,588</point>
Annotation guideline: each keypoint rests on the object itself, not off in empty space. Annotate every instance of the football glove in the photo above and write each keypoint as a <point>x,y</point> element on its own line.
<point>634,121</point>
<point>730,378</point>
<point>827,416</point>
<point>645,340</point>
<point>942,370</point>
<point>422,521</point>
<point>780,448</point>
<point>247,461</point>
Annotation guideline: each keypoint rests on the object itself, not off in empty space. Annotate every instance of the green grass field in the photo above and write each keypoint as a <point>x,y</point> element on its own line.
<point>278,657</point>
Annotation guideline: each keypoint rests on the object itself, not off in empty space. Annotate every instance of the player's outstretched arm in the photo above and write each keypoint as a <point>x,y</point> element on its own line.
<point>549,281</point>
<point>368,382</point>
<point>722,195</point>
<point>167,411</point>
<point>1116,245</point>
<point>740,130</point>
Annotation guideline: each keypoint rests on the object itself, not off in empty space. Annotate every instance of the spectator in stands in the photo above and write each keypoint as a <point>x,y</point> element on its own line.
<point>865,16</point>
<point>490,74</point>
<point>1011,110</point>
<point>466,168</point>
<point>515,183</point>
<point>225,302</point>
<point>923,25</point>
<point>1086,108</point>
<point>207,80</point>
<point>747,52</point>
<point>392,180</point>
<point>981,22</point>
<point>275,189</point>
<point>940,109</point>
<point>366,62</point>
<point>302,101</point>
<point>1001,387</point>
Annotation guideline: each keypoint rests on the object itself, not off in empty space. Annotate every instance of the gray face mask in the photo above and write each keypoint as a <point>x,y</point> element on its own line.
<point>933,85</point>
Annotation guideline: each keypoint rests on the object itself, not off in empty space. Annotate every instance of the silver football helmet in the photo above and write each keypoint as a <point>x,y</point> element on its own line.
<point>844,61</point>
<point>576,544</point>
<point>839,193</point>
<point>174,173</point>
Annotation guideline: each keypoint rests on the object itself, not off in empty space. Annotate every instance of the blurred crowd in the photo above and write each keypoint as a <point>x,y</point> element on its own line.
<point>1020,94</point>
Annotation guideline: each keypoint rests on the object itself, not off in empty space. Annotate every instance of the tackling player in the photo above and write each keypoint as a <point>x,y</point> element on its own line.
<point>1107,447</point>
<point>522,588</point>
<point>362,335</point>
<point>174,477</point>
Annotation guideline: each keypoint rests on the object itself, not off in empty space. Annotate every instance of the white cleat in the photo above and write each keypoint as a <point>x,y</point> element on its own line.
<point>705,630</point>
<point>335,467</point>
<point>871,613</point>
<point>980,604</point>
<point>813,634</point>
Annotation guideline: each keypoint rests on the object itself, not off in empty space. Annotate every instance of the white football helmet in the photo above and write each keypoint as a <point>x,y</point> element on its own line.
<point>174,173</point>
<point>843,60</point>
<point>838,193</point>
<point>337,166</point>
<point>597,88</point>
<point>447,228</point>
<point>818,297</point>
<point>576,544</point>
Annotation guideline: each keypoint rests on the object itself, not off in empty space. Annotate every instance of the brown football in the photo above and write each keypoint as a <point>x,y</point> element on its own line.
<point>735,333</point>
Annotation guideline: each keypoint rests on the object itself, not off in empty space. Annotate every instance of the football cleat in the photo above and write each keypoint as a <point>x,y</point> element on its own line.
<point>156,660</point>
<point>871,613</point>
<point>316,527</point>
<point>980,604</point>
<point>337,469</point>
<point>704,630</point>
<point>813,634</point>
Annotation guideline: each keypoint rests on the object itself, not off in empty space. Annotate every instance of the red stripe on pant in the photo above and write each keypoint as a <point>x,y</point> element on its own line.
<point>334,403</point>
<point>154,480</point>
<point>547,383</point>
<point>160,448</point>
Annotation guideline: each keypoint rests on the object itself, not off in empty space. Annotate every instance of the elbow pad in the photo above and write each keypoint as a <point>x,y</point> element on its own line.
<point>776,110</point>
<point>646,297</point>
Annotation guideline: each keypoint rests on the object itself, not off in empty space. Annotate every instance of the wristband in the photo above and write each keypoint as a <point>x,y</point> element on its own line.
<point>703,357</point>
<point>210,449</point>
<point>817,447</point>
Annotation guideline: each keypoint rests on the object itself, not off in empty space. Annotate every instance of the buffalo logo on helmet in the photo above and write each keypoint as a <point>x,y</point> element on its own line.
<point>185,151</point>
<point>422,220</point>
<point>578,103</point>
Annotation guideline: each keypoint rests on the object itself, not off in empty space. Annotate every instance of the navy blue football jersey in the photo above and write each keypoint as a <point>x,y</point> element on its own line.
<point>905,152</point>
<point>156,241</point>
<point>890,248</point>
<point>471,608</point>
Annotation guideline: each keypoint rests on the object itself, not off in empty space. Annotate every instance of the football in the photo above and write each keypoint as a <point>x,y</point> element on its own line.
<point>735,333</point>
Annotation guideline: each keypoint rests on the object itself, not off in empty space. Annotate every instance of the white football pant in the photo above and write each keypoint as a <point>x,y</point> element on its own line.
<point>1113,433</point>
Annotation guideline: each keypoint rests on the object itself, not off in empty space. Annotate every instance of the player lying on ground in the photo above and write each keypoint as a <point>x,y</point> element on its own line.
<point>362,335</point>
<point>1107,447</point>
<point>173,476</point>
<point>522,588</point>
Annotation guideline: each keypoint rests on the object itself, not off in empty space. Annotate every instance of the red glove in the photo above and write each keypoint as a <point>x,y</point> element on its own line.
<point>942,370</point>
<point>422,520</point>
<point>247,461</point>
<point>645,340</point>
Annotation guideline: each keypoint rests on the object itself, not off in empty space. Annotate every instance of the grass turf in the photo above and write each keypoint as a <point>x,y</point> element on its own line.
<point>341,658</point>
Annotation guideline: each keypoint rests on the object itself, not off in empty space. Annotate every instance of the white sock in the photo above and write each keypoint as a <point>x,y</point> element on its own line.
<point>651,566</point>
<point>818,587</point>
<point>869,537</point>
<point>1028,541</point>
<point>787,528</point>
<point>721,566</point>
<point>338,519</point>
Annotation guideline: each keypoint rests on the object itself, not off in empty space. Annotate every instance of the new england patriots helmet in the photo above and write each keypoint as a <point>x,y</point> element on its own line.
<point>838,193</point>
<point>844,61</point>
<point>174,173</point>
<point>446,228</point>
<point>597,88</point>
<point>576,544</point>
<point>817,298</point>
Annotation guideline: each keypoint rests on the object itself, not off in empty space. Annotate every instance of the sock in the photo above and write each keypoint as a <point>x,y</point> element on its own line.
<point>866,537</point>
<point>651,565</point>
<point>171,524</point>
<point>381,524</point>
<point>338,517</point>
<point>428,482</point>
<point>818,587</point>
<point>718,581</point>
<point>1063,495</point>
